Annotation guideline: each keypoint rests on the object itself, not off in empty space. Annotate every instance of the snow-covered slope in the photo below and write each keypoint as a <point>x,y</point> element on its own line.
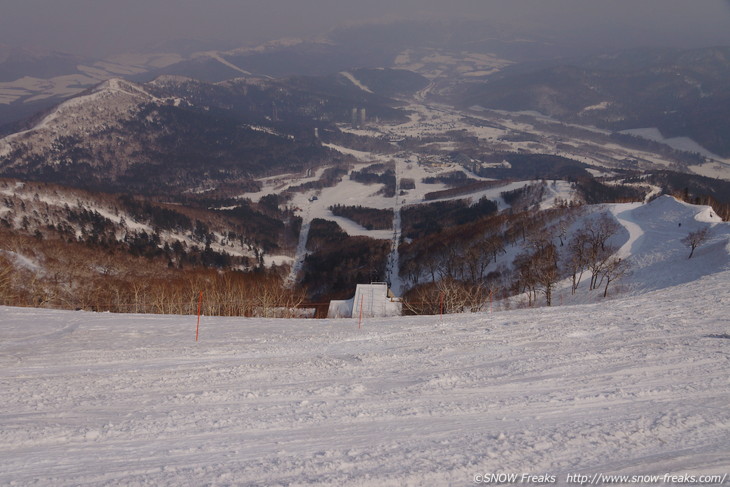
<point>637,387</point>
<point>54,212</point>
<point>658,257</point>
<point>108,105</point>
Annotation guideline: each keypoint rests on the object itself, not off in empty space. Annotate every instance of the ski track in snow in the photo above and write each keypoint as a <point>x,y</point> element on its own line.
<point>301,252</point>
<point>658,257</point>
<point>635,385</point>
<point>623,214</point>
<point>393,267</point>
<point>640,386</point>
<point>220,59</point>
<point>351,78</point>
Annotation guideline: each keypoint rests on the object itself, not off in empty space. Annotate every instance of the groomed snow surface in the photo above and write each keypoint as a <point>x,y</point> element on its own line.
<point>636,385</point>
<point>640,386</point>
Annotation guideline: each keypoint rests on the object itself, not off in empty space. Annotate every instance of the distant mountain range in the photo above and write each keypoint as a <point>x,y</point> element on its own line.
<point>34,81</point>
<point>188,119</point>
<point>178,134</point>
<point>682,93</point>
<point>229,159</point>
<point>20,63</point>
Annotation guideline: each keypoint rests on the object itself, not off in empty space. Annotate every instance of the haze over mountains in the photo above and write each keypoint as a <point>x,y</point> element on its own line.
<point>99,37</point>
<point>425,111</point>
<point>107,27</point>
<point>549,178</point>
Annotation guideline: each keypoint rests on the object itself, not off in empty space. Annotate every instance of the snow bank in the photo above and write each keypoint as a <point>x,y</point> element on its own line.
<point>370,301</point>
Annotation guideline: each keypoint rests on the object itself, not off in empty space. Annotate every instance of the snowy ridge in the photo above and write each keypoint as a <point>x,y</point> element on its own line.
<point>655,248</point>
<point>49,206</point>
<point>104,90</point>
<point>113,98</point>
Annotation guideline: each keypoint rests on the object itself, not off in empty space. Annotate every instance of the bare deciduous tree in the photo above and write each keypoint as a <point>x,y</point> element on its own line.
<point>5,281</point>
<point>526,276</point>
<point>449,296</point>
<point>614,269</point>
<point>459,297</point>
<point>494,245</point>
<point>589,249</point>
<point>546,268</point>
<point>695,239</point>
<point>578,252</point>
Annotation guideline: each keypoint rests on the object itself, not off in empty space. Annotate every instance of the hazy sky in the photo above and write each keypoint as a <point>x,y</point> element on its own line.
<point>99,27</point>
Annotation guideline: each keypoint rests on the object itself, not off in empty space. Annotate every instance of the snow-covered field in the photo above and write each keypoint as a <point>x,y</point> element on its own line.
<point>640,386</point>
<point>637,385</point>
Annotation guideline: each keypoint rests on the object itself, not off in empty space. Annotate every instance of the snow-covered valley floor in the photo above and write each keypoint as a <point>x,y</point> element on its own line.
<point>637,385</point>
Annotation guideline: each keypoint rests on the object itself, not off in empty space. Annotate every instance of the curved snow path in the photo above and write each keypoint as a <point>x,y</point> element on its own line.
<point>624,214</point>
<point>655,246</point>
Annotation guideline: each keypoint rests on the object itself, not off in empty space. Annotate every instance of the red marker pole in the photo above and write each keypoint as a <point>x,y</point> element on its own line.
<point>200,305</point>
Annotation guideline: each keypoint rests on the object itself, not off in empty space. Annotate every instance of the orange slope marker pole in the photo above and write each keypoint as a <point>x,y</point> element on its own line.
<point>200,305</point>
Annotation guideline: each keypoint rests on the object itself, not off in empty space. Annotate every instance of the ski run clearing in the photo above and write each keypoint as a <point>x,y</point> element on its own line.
<point>635,385</point>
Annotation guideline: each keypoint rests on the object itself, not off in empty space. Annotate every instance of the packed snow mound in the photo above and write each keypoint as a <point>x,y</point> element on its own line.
<point>658,256</point>
<point>670,211</point>
<point>635,387</point>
